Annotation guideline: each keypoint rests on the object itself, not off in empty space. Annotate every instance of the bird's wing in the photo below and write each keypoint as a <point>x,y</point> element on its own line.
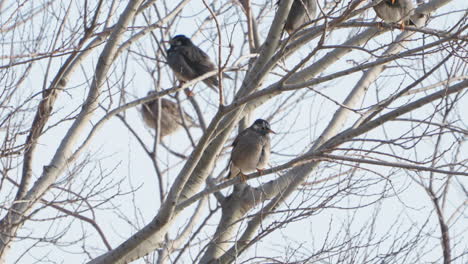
<point>239,136</point>
<point>234,144</point>
<point>173,109</point>
<point>233,170</point>
<point>265,153</point>
<point>181,65</point>
<point>418,20</point>
<point>198,59</point>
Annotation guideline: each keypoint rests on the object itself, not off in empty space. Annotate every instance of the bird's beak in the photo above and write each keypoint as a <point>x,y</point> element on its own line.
<point>271,131</point>
<point>393,2</point>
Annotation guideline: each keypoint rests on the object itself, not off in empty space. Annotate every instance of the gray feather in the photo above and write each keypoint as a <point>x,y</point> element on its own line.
<point>400,11</point>
<point>170,120</point>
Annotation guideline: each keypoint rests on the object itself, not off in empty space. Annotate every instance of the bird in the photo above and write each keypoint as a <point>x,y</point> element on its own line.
<point>396,11</point>
<point>188,61</point>
<point>251,150</point>
<point>170,120</point>
<point>418,19</point>
<point>301,12</point>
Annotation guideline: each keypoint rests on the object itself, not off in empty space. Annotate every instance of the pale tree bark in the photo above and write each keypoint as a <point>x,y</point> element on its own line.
<point>14,219</point>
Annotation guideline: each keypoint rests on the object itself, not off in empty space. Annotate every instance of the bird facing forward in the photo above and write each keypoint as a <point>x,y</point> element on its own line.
<point>170,120</point>
<point>188,61</point>
<point>396,11</point>
<point>301,12</point>
<point>251,150</point>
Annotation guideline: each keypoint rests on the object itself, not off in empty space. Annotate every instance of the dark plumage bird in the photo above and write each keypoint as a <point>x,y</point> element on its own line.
<point>301,12</point>
<point>170,120</point>
<point>188,61</point>
<point>397,11</point>
<point>251,150</point>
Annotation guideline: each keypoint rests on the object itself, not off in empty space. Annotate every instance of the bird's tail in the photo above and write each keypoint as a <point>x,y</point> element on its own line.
<point>233,171</point>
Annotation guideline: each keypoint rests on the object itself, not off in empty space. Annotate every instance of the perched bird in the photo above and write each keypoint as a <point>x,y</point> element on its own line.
<point>170,120</point>
<point>188,61</point>
<point>396,11</point>
<point>251,150</point>
<point>301,12</point>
